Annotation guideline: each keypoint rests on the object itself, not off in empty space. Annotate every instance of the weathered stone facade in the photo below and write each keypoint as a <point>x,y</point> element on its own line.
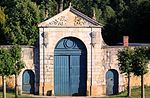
<point>70,23</point>
<point>101,58</point>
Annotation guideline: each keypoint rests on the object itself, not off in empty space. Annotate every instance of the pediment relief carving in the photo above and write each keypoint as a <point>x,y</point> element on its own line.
<point>78,21</point>
<point>60,21</point>
<point>65,21</point>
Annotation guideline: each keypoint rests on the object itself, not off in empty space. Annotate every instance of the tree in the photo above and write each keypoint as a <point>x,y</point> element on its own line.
<point>140,62</point>
<point>6,68</point>
<point>139,18</point>
<point>119,17</point>
<point>3,28</point>
<point>125,57</point>
<point>18,65</point>
<point>47,7</point>
<point>131,18</point>
<point>84,6</point>
<point>10,63</point>
<point>23,16</point>
<point>2,16</point>
<point>60,5</point>
<point>115,26</point>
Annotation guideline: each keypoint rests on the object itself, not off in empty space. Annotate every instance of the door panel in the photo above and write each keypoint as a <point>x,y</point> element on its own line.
<point>61,75</point>
<point>75,74</point>
<point>109,83</point>
<point>26,83</point>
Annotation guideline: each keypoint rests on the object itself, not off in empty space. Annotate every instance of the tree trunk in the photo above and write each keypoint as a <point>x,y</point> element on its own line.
<point>142,87</point>
<point>4,86</point>
<point>60,5</point>
<point>16,86</point>
<point>129,87</point>
<point>46,10</point>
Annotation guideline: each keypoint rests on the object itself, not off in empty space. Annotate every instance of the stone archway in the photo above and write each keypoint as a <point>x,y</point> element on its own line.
<point>70,67</point>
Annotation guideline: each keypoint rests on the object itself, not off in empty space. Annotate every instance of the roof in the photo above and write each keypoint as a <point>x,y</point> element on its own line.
<point>136,44</point>
<point>70,18</point>
<point>84,16</point>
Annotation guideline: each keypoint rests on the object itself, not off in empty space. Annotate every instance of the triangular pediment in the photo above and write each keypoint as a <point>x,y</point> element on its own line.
<point>70,18</point>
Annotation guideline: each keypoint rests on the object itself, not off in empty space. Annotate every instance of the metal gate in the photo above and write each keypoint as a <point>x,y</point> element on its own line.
<point>112,82</point>
<point>70,71</point>
<point>28,82</point>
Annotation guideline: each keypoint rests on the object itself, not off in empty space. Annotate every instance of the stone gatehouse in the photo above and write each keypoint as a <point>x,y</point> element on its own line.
<point>72,59</point>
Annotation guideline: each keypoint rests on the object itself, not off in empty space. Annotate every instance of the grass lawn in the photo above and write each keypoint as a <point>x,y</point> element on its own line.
<point>135,94</point>
<point>12,95</point>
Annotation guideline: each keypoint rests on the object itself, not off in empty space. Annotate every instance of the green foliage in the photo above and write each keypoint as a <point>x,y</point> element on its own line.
<point>119,17</point>
<point>84,6</point>
<point>15,52</point>
<point>125,57</point>
<point>3,28</point>
<point>18,67</point>
<point>2,16</point>
<point>108,13</point>
<point>131,19</point>
<point>140,60</point>
<point>23,16</point>
<point>49,5</point>
<point>98,14</point>
<point>6,63</point>
<point>134,60</point>
<point>10,61</point>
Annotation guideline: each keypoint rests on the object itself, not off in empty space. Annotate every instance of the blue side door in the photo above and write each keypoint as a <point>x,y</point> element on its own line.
<point>112,82</point>
<point>109,83</point>
<point>28,82</point>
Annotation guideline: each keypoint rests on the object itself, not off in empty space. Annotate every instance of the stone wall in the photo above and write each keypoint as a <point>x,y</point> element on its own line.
<point>103,60</point>
<point>111,62</point>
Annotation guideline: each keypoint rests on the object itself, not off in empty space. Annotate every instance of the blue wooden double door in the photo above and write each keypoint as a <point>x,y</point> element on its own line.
<point>70,68</point>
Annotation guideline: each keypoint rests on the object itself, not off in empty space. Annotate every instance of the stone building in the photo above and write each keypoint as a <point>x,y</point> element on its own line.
<point>72,59</point>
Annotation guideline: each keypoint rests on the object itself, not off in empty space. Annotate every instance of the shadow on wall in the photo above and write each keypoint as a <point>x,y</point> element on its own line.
<point>10,90</point>
<point>49,93</point>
